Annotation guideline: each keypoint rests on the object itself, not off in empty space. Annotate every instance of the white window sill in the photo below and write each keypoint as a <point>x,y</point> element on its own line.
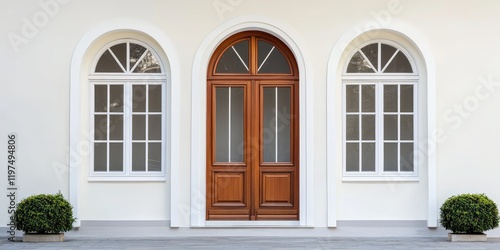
<point>380,179</point>
<point>126,178</point>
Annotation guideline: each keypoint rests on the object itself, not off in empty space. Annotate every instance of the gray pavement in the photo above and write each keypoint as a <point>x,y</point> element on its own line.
<point>261,242</point>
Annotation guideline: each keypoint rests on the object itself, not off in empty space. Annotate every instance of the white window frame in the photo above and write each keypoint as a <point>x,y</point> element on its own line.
<point>380,79</point>
<point>128,79</point>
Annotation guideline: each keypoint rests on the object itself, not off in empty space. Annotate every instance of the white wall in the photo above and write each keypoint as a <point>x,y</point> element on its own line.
<point>34,101</point>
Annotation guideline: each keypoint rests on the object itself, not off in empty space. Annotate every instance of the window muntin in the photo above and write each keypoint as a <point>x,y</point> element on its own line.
<point>380,118</point>
<point>127,113</point>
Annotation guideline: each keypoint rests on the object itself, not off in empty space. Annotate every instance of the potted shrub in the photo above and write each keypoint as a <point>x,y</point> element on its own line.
<point>44,217</point>
<point>468,216</point>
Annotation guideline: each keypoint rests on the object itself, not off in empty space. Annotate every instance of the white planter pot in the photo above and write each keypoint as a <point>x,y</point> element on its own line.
<point>43,237</point>
<point>466,237</point>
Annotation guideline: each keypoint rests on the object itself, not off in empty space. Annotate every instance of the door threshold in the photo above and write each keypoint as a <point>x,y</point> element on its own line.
<point>238,223</point>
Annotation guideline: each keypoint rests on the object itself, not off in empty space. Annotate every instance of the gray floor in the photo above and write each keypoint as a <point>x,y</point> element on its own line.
<point>262,242</point>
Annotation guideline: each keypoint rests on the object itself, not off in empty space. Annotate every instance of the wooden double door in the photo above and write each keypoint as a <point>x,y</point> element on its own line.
<point>252,130</point>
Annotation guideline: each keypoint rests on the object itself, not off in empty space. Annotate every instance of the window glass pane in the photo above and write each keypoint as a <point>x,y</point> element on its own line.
<point>155,94</point>
<point>154,127</point>
<point>283,124</point>
<point>358,64</point>
<point>390,127</point>
<point>387,52</point>
<point>116,98</point>
<point>390,98</point>
<point>368,98</point>
<point>406,127</point>
<point>154,157</point>
<point>100,157</point>
<point>352,127</point>
<point>390,157</point>
<point>234,59</point>
<point>406,157</point>
<point>100,127</point>
<point>406,98</point>
<point>107,64</point>
<point>399,64</point>
<point>269,125</point>
<point>368,127</point>
<point>352,98</point>
<point>352,157</point>
<point>100,98</point>
<point>148,64</point>
<point>138,127</point>
<point>371,52</point>
<point>116,127</point>
<point>222,124</point>
<point>116,157</point>
<point>237,124</point>
<point>138,156</point>
<point>139,98</point>
<point>271,59</point>
<point>120,51</point>
<point>136,51</point>
<point>368,157</point>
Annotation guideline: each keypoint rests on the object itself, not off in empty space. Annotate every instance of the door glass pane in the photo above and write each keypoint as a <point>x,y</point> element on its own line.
<point>100,157</point>
<point>283,118</point>
<point>390,98</point>
<point>371,52</point>
<point>368,127</point>
<point>269,125</point>
<point>107,64</point>
<point>237,124</point>
<point>368,157</point>
<point>116,98</point>
<point>406,157</point>
<point>155,93</point>
<point>352,127</point>
<point>352,157</point>
<point>390,127</point>
<point>368,98</point>
<point>120,51</point>
<point>100,127</point>
<point>138,127</point>
<point>390,156</point>
<point>154,127</point>
<point>406,127</point>
<point>100,98</point>
<point>154,157</point>
<point>234,59</point>
<point>116,127</point>
<point>222,124</point>
<point>138,156</point>
<point>139,98</point>
<point>399,64</point>
<point>116,157</point>
<point>406,98</point>
<point>136,51</point>
<point>352,98</point>
<point>271,59</point>
<point>358,64</point>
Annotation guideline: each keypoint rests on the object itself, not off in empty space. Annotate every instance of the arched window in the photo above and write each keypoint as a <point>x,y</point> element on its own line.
<point>128,111</point>
<point>380,111</point>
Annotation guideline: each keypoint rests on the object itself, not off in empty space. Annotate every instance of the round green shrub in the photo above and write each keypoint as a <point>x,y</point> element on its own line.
<point>44,214</point>
<point>469,213</point>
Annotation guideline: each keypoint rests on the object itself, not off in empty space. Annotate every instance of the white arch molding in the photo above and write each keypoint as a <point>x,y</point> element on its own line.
<point>198,116</point>
<point>80,64</point>
<point>334,69</point>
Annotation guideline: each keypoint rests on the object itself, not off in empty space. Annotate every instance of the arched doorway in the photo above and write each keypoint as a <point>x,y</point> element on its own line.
<point>252,130</point>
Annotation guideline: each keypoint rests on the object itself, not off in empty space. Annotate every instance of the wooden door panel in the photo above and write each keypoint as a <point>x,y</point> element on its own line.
<point>229,189</point>
<point>277,189</point>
